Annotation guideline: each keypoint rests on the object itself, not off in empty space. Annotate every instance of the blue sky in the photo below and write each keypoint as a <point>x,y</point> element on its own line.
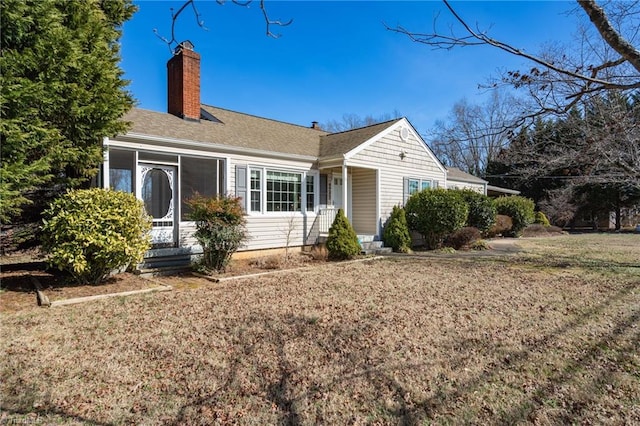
<point>336,57</point>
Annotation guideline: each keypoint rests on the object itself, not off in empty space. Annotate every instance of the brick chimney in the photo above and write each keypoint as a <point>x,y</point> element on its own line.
<point>183,75</point>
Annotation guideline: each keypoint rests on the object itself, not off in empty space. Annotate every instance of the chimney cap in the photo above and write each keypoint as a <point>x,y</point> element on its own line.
<point>314,125</point>
<point>185,45</point>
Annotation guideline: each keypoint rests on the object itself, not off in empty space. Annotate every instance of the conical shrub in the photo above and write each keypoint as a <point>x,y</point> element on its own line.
<point>342,242</point>
<point>396,232</point>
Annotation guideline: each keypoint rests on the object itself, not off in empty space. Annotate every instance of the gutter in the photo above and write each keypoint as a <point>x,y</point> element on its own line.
<point>228,149</point>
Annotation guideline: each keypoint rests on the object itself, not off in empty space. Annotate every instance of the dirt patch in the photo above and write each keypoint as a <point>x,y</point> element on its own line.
<point>18,292</point>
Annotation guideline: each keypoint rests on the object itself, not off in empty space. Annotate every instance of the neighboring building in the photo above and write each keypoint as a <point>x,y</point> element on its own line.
<point>496,191</point>
<point>457,179</point>
<point>289,176</point>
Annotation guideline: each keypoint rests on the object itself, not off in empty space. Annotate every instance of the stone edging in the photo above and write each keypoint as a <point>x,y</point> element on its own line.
<point>43,300</point>
<point>279,271</point>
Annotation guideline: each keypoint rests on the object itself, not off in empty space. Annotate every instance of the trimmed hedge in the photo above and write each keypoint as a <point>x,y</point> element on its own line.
<point>92,232</point>
<point>342,242</point>
<point>396,231</point>
<point>482,210</point>
<point>519,209</point>
<point>435,213</point>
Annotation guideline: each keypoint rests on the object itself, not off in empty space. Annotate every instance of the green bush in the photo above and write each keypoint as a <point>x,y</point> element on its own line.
<point>220,228</point>
<point>435,213</point>
<point>92,232</point>
<point>396,231</point>
<point>541,219</point>
<point>342,242</point>
<point>519,209</point>
<point>482,210</point>
<point>463,237</point>
<point>502,226</point>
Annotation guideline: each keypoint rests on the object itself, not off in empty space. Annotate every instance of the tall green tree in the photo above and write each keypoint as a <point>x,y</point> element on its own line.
<point>61,93</point>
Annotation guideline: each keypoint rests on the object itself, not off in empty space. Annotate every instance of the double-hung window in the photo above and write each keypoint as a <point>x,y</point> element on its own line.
<point>281,191</point>
<point>311,202</point>
<point>256,190</point>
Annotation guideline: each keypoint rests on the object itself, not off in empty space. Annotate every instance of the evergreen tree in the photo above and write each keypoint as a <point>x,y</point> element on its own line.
<point>342,242</point>
<point>61,92</point>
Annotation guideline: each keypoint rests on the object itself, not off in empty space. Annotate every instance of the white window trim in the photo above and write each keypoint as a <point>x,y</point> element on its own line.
<point>406,181</point>
<point>303,191</point>
<point>420,182</point>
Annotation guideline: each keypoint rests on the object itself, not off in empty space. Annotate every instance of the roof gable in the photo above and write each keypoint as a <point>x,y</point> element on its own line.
<point>392,126</point>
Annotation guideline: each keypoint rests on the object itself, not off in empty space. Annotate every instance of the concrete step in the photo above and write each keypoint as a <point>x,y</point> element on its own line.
<point>169,261</point>
<point>371,245</point>
<point>384,250</point>
<point>166,270</point>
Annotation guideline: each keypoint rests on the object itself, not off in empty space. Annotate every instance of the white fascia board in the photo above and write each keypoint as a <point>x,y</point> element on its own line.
<point>331,162</point>
<point>137,138</point>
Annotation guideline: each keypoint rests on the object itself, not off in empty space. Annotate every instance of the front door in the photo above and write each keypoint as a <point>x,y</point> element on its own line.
<point>158,192</point>
<point>337,195</point>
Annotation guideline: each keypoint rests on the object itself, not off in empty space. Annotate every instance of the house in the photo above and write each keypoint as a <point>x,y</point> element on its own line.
<point>292,179</point>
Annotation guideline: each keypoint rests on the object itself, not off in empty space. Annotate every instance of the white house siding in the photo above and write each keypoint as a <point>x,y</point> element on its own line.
<point>477,187</point>
<point>269,230</point>
<point>364,201</point>
<point>384,154</point>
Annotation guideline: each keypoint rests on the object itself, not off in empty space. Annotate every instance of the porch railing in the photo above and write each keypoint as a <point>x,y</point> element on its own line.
<point>326,217</point>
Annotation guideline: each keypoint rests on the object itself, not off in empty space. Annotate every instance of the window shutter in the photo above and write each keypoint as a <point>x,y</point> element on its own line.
<point>241,185</point>
<point>405,186</point>
<point>435,184</point>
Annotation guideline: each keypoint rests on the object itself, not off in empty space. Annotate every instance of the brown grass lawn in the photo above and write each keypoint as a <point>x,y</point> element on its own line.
<point>548,336</point>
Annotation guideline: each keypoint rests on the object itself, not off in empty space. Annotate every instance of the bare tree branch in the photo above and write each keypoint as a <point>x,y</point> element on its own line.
<point>174,17</point>
<point>556,82</point>
<point>270,22</point>
<point>609,34</point>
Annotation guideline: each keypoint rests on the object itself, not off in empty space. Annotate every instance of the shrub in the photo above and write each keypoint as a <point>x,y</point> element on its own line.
<point>519,209</point>
<point>342,242</point>
<point>501,227</point>
<point>434,213</point>
<point>463,237</point>
<point>220,228</point>
<point>541,219</point>
<point>479,245</point>
<point>92,232</point>
<point>538,230</point>
<point>482,210</point>
<point>396,232</point>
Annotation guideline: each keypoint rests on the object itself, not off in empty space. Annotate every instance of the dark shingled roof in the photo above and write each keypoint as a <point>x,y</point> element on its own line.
<point>335,144</point>
<point>247,131</point>
<point>455,173</point>
<point>233,129</point>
